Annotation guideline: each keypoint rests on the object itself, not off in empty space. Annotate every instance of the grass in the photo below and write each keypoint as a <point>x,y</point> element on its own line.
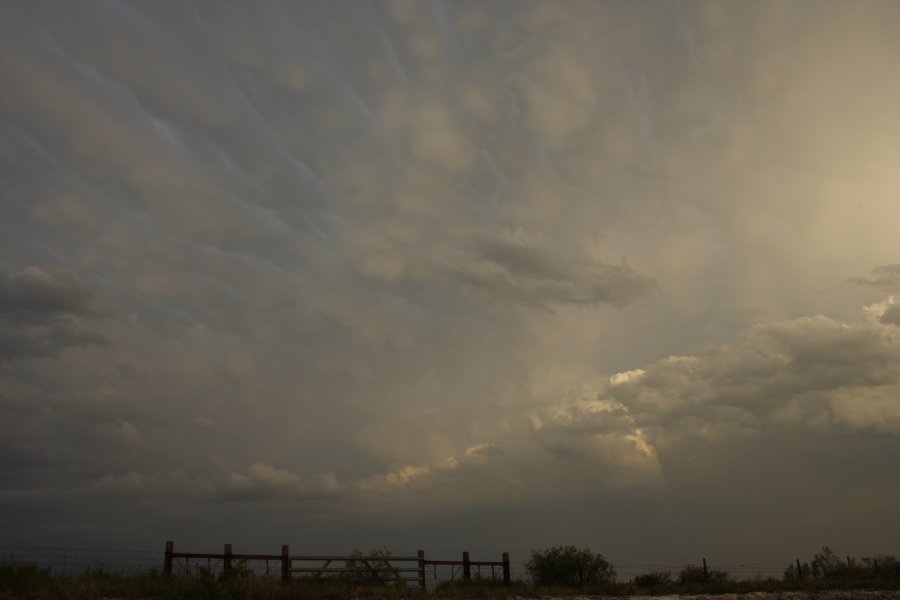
<point>486,589</point>
<point>29,581</point>
<point>18,582</point>
<point>627,588</point>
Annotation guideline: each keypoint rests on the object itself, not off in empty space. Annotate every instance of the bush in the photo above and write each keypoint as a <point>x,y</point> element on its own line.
<point>882,566</point>
<point>827,566</point>
<point>569,566</point>
<point>653,580</point>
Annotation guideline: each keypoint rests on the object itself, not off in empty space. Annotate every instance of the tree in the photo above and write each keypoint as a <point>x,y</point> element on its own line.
<point>826,565</point>
<point>569,566</point>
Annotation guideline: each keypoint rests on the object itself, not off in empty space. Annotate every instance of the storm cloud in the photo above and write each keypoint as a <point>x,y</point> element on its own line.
<point>432,268</point>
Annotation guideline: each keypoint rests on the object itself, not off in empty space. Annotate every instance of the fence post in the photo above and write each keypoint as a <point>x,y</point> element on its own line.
<point>467,568</point>
<point>506,568</point>
<point>167,564</point>
<point>799,570</point>
<point>422,568</point>
<point>285,563</point>
<point>226,560</point>
<point>705,572</point>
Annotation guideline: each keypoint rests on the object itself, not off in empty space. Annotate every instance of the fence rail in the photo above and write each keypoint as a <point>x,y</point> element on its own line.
<point>74,560</point>
<point>383,568</point>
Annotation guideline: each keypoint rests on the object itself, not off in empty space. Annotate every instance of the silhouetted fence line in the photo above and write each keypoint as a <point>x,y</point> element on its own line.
<point>382,567</point>
<point>75,560</point>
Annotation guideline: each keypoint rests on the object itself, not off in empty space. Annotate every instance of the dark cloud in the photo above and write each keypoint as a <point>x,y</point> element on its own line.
<point>524,273</point>
<point>522,260</point>
<point>36,292</point>
<point>31,340</point>
<point>884,276</point>
<point>891,315</point>
<point>41,310</point>
<point>129,371</point>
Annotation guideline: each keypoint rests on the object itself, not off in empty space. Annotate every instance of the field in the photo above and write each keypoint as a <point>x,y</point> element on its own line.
<point>563,572</point>
<point>18,582</point>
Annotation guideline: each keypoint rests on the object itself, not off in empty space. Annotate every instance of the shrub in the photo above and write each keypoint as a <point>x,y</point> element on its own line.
<point>827,566</point>
<point>883,566</point>
<point>569,566</point>
<point>653,580</point>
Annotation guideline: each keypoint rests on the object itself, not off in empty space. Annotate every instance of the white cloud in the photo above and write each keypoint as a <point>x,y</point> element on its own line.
<point>887,311</point>
<point>262,481</point>
<point>809,372</point>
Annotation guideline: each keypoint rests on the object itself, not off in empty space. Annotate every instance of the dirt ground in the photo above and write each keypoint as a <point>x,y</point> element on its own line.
<point>823,595</point>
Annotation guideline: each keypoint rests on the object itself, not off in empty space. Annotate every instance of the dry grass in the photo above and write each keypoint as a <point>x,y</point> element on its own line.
<point>28,581</point>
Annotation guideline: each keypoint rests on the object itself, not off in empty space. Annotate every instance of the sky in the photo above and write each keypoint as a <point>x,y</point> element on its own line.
<point>451,275</point>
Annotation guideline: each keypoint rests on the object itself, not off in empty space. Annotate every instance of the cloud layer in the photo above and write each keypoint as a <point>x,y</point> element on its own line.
<point>404,263</point>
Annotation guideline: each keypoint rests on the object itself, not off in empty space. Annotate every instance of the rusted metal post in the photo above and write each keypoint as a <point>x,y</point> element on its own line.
<point>285,563</point>
<point>506,568</point>
<point>467,568</point>
<point>422,569</point>
<point>705,572</point>
<point>226,560</point>
<point>167,564</point>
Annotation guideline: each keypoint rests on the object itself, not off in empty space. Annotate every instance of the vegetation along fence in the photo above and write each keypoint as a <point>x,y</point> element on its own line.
<point>378,566</point>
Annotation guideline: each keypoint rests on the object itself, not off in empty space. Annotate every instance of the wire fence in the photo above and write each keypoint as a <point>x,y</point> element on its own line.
<point>625,572</point>
<point>75,561</point>
<point>437,574</point>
